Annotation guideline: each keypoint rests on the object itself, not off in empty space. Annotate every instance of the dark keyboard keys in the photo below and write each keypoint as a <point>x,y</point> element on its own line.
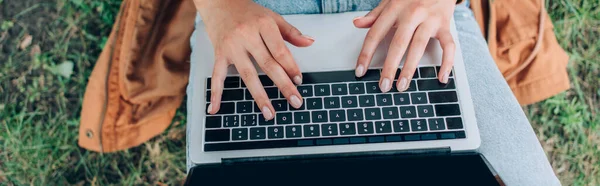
<point>401,99</point>
<point>427,72</point>
<point>372,114</point>
<point>308,142</point>
<point>332,102</point>
<point>408,112</point>
<point>339,89</point>
<point>324,142</point>
<point>443,97</point>
<point>311,130</point>
<point>393,138</point>
<point>412,137</point>
<point>373,87</point>
<point>265,80</point>
<point>272,92</point>
<point>226,108</point>
<point>365,127</point>
<point>249,120</point>
<point>319,116</point>
<point>438,69</point>
<point>322,90</point>
<point>366,101</point>
<point>355,115</point>
<point>401,126</point>
<point>454,123</point>
<point>280,105</point>
<point>436,124</point>
<point>231,121</point>
<point>349,102</point>
<point>208,83</point>
<point>314,103</point>
<point>244,107</point>
<point>262,121</point>
<point>275,132</point>
<point>305,90</point>
<point>239,134</point>
<point>213,122</point>
<point>384,100</point>
<point>302,107</point>
<point>217,135</point>
<point>425,111</point>
<point>293,131</point>
<point>301,117</point>
<point>435,84</point>
<point>339,141</point>
<point>337,115</point>
<point>284,118</point>
<point>448,135</point>
<point>208,95</point>
<point>447,110</point>
<point>371,75</point>
<point>376,139</point>
<point>347,129</point>
<point>428,136</point>
<point>232,82</point>
<point>248,95</point>
<point>383,127</point>
<point>390,112</point>
<point>329,129</point>
<point>460,134</point>
<point>418,98</point>
<point>356,88</point>
<point>412,87</point>
<point>232,95</point>
<point>258,133</point>
<point>328,77</point>
<point>418,125</point>
<point>358,140</point>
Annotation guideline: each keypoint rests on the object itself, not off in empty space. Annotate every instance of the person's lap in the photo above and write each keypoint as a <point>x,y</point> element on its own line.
<point>508,140</point>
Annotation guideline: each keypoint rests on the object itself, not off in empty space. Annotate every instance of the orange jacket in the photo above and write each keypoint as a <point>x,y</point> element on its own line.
<point>140,77</point>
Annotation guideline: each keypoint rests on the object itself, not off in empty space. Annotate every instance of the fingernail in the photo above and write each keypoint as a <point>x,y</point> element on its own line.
<point>359,17</point>
<point>445,77</point>
<point>360,70</point>
<point>403,84</point>
<point>296,103</point>
<point>385,85</point>
<point>267,113</point>
<point>298,80</point>
<point>308,37</point>
<point>209,109</point>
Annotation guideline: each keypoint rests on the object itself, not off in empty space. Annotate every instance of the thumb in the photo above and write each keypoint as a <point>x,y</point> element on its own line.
<point>291,34</point>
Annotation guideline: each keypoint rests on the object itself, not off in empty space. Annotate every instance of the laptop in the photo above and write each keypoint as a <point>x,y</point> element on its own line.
<point>346,128</point>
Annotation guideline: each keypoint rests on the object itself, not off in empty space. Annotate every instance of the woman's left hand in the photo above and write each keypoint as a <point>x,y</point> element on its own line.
<point>415,22</point>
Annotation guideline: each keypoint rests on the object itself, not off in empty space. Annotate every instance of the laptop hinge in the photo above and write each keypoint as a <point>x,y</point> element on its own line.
<point>412,152</point>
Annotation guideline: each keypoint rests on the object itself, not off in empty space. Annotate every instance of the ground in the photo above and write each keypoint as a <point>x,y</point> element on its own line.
<point>48,49</point>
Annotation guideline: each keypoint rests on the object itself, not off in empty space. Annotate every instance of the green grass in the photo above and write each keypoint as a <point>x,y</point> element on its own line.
<point>39,109</point>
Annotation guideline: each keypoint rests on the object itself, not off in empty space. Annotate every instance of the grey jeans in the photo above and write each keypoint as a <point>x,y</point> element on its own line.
<point>507,139</point>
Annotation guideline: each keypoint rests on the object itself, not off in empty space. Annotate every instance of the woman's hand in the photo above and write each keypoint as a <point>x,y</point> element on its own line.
<point>239,29</point>
<point>415,22</point>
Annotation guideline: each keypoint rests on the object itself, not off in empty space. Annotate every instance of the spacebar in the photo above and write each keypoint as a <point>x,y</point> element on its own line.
<point>250,145</point>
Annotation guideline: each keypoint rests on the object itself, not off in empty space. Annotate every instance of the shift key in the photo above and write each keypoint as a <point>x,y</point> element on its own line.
<point>434,84</point>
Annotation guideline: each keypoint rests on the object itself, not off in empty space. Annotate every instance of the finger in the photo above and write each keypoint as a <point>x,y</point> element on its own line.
<point>448,47</point>
<point>377,32</point>
<point>396,51</point>
<point>291,33</point>
<point>250,77</point>
<point>272,38</point>
<point>415,52</point>
<point>216,85</point>
<point>368,20</point>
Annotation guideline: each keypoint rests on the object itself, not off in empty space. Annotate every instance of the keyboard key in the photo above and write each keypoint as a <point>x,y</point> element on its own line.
<point>376,139</point>
<point>366,101</point>
<point>412,137</point>
<point>275,132</point>
<point>332,102</point>
<point>358,140</point>
<point>305,90</point>
<point>314,103</point>
<point>371,75</point>
<point>372,114</point>
<point>434,84</point>
<point>401,99</point>
<point>339,89</point>
<point>301,117</point>
<point>248,96</point>
<point>418,98</point>
<point>373,87</point>
<point>365,127</point>
<point>393,138</point>
<point>454,123</point>
<point>415,75</point>
<point>438,69</point>
<point>213,122</point>
<point>401,126</point>
<point>322,90</point>
<point>339,141</point>
<point>349,102</point>
<point>390,112</point>
<point>249,120</point>
<point>347,129</point>
<point>355,114</point>
<point>258,133</point>
<point>324,142</point>
<point>293,131</point>
<point>356,88</point>
<point>329,129</point>
<point>250,145</point>
<point>328,77</point>
<point>232,82</point>
<point>232,95</point>
<point>447,110</point>
<point>436,124</point>
<point>425,110</point>
<point>383,127</point>
<point>284,118</point>
<point>428,136</point>
<point>427,72</point>
<point>280,105</point>
<point>239,134</point>
<point>460,134</point>
<point>231,121</point>
<point>443,97</point>
<point>308,142</point>
<point>337,115</point>
<point>447,135</point>
<point>384,100</point>
<point>418,125</point>
<point>226,108</point>
<point>217,135</point>
<point>302,107</point>
<point>408,112</point>
<point>244,107</point>
<point>412,87</point>
<point>208,83</point>
<point>262,121</point>
<point>272,92</point>
<point>319,116</point>
<point>265,80</point>
<point>311,130</point>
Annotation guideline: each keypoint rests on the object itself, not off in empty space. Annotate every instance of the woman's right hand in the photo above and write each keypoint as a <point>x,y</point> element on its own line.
<point>240,28</point>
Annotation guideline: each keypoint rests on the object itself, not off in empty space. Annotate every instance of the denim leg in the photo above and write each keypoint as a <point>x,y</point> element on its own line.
<point>507,139</point>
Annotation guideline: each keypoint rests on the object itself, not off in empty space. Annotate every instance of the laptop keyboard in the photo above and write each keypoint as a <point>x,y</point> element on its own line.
<point>338,109</point>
